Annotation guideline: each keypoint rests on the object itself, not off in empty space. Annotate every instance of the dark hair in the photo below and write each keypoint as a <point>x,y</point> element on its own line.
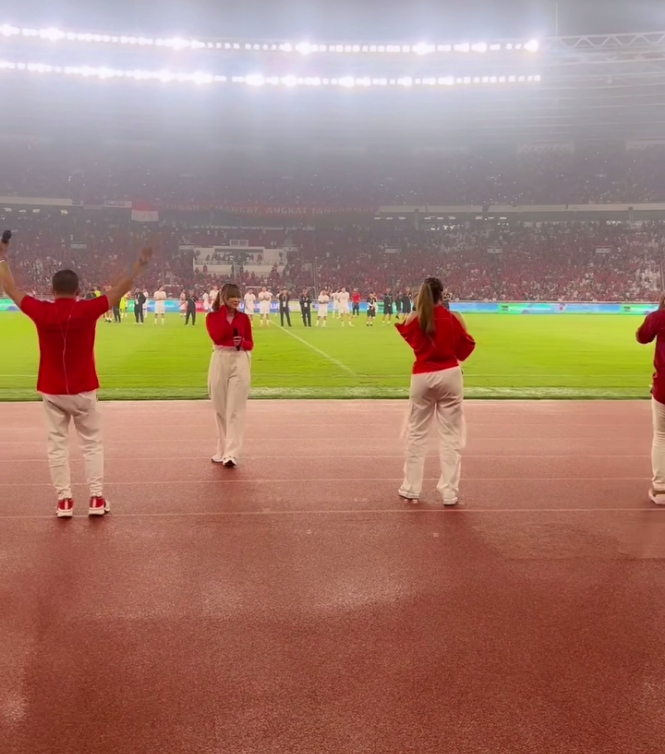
<point>429,296</point>
<point>228,290</point>
<point>65,283</point>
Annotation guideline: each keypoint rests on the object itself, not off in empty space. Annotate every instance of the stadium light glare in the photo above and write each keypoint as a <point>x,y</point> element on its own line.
<point>532,45</point>
<point>423,48</point>
<point>53,35</point>
<point>479,47</point>
<point>464,47</point>
<point>202,78</point>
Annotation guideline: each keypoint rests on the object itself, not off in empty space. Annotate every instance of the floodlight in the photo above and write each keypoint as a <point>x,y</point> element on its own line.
<point>255,79</point>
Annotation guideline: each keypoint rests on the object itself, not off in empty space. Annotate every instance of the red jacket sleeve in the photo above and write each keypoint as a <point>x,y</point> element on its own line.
<point>652,326</point>
<point>466,344</point>
<point>215,326</point>
<point>408,331</point>
<point>248,336</point>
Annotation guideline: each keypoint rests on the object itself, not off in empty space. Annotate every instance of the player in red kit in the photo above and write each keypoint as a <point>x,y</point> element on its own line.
<point>355,303</point>
<point>67,380</point>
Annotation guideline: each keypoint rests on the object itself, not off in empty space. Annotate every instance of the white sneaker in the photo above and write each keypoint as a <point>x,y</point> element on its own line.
<point>656,498</point>
<point>230,463</point>
<point>451,502</point>
<point>408,497</point>
<point>218,459</point>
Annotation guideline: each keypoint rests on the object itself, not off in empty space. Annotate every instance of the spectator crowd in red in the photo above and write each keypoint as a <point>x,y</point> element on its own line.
<point>563,261</point>
<point>479,256</point>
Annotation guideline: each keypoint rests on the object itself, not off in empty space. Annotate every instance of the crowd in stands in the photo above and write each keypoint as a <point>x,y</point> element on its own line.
<point>590,174</point>
<point>544,261</point>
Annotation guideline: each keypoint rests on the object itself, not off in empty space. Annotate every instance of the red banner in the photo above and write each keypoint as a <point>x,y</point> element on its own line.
<point>266,210</point>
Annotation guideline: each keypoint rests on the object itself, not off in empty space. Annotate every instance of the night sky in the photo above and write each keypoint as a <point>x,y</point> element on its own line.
<point>343,19</point>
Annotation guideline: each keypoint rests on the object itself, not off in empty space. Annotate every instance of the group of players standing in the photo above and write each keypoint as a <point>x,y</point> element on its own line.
<point>345,305</point>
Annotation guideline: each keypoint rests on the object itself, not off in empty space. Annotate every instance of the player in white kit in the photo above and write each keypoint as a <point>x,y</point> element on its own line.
<point>265,297</point>
<point>335,303</point>
<point>343,298</point>
<point>250,304</point>
<point>214,292</point>
<point>322,314</point>
<point>160,304</point>
<point>206,302</point>
<point>183,303</point>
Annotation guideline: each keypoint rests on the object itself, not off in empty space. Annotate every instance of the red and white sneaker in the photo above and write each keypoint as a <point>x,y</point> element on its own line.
<point>98,506</point>
<point>65,508</point>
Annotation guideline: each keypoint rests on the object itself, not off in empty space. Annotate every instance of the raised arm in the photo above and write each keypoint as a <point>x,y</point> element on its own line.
<point>124,285</point>
<point>7,282</point>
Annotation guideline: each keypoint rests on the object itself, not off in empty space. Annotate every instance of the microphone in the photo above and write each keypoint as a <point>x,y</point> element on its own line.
<point>6,237</point>
<point>235,335</point>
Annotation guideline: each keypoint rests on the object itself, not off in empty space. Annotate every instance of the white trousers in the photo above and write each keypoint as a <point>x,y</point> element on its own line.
<point>229,380</point>
<point>436,399</point>
<point>84,411</point>
<point>658,449</point>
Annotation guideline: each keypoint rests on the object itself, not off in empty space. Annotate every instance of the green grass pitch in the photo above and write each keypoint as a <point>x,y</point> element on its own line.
<point>567,356</point>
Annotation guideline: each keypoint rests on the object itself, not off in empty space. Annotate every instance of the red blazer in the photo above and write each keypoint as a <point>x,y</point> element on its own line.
<point>221,330</point>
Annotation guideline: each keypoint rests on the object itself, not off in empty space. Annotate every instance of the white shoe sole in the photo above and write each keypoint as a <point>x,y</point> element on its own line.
<point>409,498</point>
<point>450,503</point>
<point>65,514</point>
<point>99,511</point>
<point>655,499</point>
<point>218,460</point>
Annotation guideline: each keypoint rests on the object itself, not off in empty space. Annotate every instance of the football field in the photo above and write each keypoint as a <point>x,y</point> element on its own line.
<point>566,356</point>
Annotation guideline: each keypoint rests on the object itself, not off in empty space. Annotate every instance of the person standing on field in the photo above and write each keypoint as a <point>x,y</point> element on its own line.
<point>250,304</point>
<point>440,342</point>
<point>139,302</point>
<point>653,328</point>
<point>67,380</point>
<point>343,306</point>
<point>355,303</point>
<point>387,307</point>
<point>160,305</point>
<point>265,297</point>
<point>190,303</point>
<point>229,376</point>
<point>322,311</point>
<point>285,307</point>
<point>306,308</point>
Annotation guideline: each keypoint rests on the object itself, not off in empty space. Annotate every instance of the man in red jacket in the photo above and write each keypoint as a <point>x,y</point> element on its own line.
<point>653,328</point>
<point>67,380</point>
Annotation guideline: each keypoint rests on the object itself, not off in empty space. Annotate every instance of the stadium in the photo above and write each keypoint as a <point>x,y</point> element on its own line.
<point>298,599</point>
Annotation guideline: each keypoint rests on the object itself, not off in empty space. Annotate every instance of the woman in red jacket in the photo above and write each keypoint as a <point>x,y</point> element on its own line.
<point>440,342</point>
<point>229,376</point>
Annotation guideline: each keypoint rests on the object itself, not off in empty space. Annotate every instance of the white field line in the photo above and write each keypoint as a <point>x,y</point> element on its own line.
<point>320,352</point>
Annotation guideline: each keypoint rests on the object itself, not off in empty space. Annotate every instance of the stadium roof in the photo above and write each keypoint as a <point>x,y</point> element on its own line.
<point>584,88</point>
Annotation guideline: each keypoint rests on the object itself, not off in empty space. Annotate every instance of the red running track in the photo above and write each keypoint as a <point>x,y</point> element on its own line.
<point>296,605</point>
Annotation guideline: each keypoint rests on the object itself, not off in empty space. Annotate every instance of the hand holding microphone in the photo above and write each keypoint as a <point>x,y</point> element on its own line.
<point>237,340</point>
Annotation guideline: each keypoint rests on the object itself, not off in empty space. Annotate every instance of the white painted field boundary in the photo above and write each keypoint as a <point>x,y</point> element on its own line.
<point>332,393</point>
<point>325,355</point>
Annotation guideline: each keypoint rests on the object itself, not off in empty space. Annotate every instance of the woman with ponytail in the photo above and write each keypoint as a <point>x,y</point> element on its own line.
<point>229,377</point>
<point>440,342</point>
